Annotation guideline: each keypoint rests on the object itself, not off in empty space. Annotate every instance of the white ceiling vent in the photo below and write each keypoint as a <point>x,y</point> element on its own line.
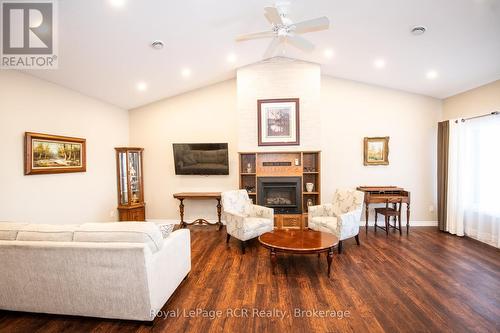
<point>418,30</point>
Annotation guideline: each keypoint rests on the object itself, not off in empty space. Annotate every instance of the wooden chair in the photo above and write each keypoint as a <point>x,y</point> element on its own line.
<point>388,212</point>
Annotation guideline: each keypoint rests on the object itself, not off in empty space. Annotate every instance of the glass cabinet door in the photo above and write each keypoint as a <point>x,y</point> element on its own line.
<point>131,205</point>
<point>123,187</point>
<point>134,172</point>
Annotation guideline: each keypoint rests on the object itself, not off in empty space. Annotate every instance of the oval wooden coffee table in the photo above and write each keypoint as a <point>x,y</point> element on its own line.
<point>299,242</point>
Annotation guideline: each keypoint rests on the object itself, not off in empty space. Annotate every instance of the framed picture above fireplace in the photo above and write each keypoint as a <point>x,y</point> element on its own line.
<point>278,122</point>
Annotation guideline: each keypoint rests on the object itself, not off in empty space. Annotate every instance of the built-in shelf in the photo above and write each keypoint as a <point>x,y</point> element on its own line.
<point>297,164</point>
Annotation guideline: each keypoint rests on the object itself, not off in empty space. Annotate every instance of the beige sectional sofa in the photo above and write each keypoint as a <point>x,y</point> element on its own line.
<point>110,270</point>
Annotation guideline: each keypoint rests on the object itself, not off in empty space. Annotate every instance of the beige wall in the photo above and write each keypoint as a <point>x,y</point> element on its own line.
<point>204,115</point>
<point>30,104</point>
<point>478,101</point>
<point>350,111</point>
<point>335,116</point>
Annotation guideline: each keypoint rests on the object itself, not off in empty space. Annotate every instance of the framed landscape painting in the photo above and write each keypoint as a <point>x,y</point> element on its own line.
<point>46,153</point>
<point>278,122</point>
<point>376,151</point>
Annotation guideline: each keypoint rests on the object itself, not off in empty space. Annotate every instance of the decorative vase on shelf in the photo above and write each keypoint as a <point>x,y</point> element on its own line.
<point>309,187</point>
<point>249,168</point>
<point>309,202</point>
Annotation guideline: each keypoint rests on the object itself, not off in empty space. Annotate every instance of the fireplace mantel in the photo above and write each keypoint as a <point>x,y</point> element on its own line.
<point>303,166</point>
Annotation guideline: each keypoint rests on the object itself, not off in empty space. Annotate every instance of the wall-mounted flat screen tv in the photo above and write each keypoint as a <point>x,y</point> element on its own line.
<point>201,159</point>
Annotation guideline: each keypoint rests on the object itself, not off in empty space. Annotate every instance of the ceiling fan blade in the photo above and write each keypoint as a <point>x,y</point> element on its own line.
<point>271,49</point>
<point>272,15</point>
<point>256,35</point>
<point>317,24</point>
<point>300,42</point>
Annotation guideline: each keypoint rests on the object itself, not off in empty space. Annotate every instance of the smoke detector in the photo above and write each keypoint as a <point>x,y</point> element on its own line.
<point>157,45</point>
<point>418,30</point>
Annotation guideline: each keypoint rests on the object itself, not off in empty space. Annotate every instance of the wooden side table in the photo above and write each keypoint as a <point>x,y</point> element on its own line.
<point>199,196</point>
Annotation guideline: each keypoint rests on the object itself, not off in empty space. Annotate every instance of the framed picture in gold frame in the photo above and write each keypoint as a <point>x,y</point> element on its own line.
<point>376,151</point>
<point>45,153</point>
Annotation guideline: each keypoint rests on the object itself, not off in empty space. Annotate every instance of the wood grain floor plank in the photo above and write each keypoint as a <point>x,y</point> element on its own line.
<point>425,282</point>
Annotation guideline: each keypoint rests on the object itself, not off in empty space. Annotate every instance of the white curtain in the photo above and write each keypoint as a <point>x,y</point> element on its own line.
<point>455,208</point>
<point>474,179</point>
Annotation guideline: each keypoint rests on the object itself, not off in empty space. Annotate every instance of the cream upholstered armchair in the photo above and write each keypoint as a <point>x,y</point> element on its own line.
<point>244,220</point>
<point>340,218</point>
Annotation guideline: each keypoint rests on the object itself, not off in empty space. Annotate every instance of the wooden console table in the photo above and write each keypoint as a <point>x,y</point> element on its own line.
<point>199,196</point>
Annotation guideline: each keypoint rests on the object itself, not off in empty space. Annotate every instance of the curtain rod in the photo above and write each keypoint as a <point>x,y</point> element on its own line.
<point>494,113</point>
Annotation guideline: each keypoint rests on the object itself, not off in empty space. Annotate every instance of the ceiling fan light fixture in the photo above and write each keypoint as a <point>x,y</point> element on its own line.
<point>285,31</point>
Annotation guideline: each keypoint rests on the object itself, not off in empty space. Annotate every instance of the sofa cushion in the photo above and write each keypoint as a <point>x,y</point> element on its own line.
<point>47,232</point>
<point>9,230</point>
<point>124,232</point>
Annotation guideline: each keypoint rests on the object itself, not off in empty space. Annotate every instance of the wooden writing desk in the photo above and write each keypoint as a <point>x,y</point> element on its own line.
<point>199,196</point>
<point>384,194</point>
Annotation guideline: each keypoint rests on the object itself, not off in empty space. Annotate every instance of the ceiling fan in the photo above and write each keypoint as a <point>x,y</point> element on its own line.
<point>283,30</point>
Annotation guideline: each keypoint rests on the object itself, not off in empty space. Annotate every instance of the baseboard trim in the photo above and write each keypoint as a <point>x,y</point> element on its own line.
<point>175,221</point>
<point>361,223</point>
<point>412,223</point>
<point>163,221</point>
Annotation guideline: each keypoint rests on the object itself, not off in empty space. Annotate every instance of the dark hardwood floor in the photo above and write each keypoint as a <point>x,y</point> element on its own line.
<point>425,282</point>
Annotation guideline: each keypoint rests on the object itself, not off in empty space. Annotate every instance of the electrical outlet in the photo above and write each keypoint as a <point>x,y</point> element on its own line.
<point>431,208</point>
<point>112,213</point>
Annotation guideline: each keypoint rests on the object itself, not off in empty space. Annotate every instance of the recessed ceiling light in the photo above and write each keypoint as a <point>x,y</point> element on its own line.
<point>186,72</point>
<point>418,30</point>
<point>328,53</point>
<point>117,3</point>
<point>142,86</point>
<point>231,57</point>
<point>379,63</point>
<point>431,75</point>
<point>157,45</point>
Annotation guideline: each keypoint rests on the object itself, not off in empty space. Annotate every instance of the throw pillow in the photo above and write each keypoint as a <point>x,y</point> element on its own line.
<point>166,229</point>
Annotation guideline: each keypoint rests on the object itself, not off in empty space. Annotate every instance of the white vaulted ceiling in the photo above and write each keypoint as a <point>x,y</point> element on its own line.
<point>104,51</point>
